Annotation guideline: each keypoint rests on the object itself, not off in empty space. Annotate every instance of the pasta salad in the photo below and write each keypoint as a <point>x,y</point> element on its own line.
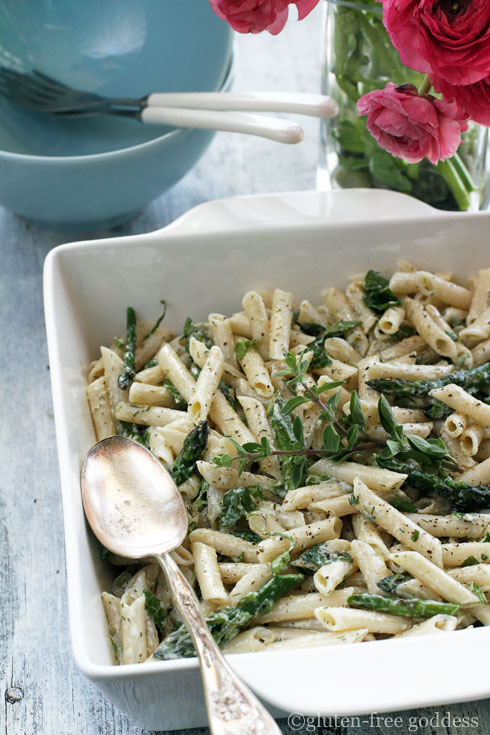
<point>334,460</point>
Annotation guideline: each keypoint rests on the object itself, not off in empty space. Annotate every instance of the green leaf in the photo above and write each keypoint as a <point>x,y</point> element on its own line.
<point>331,439</point>
<point>352,436</point>
<point>155,610</point>
<point>238,503</point>
<point>316,556</point>
<point>313,329</point>
<point>470,561</point>
<point>320,358</point>
<point>298,471</point>
<point>415,535</point>
<point>318,389</point>
<point>293,403</point>
<point>377,294</point>
<point>477,590</point>
<point>201,499</point>
<point>390,583</point>
<point>404,332</point>
<point>332,404</point>
<point>394,446</point>
<point>353,162</point>
<point>386,416</point>
<point>298,430</point>
<point>243,345</point>
<point>348,136</point>
<point>246,535</point>
<point>266,447</point>
<point>340,328</point>
<point>356,416</point>
<point>285,439</point>
<point>384,169</point>
<point>192,330</point>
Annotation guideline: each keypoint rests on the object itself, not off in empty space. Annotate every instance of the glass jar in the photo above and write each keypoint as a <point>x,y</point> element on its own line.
<point>360,57</point>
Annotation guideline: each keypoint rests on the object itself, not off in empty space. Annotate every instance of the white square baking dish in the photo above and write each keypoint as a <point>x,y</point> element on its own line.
<point>203,262</point>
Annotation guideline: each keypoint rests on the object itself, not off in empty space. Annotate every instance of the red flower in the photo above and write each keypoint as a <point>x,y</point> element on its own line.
<point>449,38</point>
<point>254,16</point>
<point>473,98</point>
<point>411,126</point>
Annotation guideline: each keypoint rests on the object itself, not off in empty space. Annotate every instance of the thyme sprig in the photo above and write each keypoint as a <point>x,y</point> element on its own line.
<point>342,436</point>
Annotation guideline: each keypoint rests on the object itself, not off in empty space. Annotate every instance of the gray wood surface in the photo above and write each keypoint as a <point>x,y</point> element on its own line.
<point>43,691</point>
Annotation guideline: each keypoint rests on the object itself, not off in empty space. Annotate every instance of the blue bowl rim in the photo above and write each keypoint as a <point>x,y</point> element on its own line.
<point>61,160</point>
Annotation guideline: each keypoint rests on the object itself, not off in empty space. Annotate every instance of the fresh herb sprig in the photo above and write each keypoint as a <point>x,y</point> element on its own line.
<point>406,447</point>
<point>342,436</point>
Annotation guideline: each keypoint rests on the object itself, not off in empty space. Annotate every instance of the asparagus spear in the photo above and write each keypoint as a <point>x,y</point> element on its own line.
<point>464,497</point>
<point>194,445</point>
<point>411,607</point>
<point>226,623</point>
<point>415,393</point>
<point>129,370</point>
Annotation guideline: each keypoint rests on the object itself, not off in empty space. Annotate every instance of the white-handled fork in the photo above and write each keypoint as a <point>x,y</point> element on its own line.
<point>226,111</point>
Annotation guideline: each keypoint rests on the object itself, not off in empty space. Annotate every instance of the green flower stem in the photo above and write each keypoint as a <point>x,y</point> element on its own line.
<point>455,183</point>
<point>425,85</point>
<point>463,172</point>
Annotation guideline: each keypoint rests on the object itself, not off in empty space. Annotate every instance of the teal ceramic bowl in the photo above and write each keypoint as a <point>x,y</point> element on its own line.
<point>93,172</point>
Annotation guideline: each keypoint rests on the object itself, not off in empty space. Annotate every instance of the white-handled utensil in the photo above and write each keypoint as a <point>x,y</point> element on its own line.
<point>282,131</point>
<point>315,105</point>
<point>227,111</point>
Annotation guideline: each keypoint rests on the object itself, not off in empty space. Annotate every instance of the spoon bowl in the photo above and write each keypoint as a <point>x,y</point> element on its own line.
<point>130,500</point>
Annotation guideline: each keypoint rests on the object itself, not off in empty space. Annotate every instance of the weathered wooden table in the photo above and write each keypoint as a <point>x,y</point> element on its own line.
<point>43,691</point>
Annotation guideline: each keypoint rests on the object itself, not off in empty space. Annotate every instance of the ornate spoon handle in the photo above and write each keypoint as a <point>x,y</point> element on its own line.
<point>232,708</point>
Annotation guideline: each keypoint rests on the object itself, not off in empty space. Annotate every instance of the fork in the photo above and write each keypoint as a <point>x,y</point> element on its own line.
<point>209,110</point>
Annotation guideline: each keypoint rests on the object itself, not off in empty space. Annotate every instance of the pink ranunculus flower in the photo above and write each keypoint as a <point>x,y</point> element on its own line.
<point>473,98</point>
<point>411,126</point>
<point>449,38</point>
<point>255,16</point>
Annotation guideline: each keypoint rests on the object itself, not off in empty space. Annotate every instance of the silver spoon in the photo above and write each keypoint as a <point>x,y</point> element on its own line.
<point>136,511</point>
